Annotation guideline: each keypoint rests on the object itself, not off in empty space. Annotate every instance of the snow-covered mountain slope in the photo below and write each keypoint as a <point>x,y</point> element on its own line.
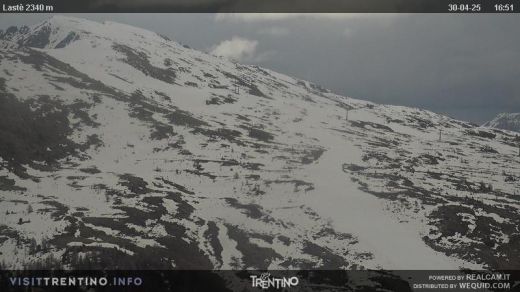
<point>505,121</point>
<point>120,144</point>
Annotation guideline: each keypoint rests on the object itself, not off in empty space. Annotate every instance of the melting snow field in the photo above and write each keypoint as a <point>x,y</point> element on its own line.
<point>145,153</point>
<point>394,245</point>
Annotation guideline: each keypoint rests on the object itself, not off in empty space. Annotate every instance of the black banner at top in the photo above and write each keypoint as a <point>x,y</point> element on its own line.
<point>260,6</point>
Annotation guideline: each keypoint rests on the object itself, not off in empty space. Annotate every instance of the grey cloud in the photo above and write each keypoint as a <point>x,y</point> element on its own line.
<point>270,17</point>
<point>276,31</point>
<point>237,48</point>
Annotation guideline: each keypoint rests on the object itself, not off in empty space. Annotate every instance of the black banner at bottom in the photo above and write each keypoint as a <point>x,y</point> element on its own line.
<point>257,280</point>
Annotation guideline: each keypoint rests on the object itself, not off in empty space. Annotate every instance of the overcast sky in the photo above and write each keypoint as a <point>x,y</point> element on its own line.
<point>466,66</point>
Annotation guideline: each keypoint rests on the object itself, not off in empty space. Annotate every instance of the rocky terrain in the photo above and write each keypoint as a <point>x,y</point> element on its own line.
<point>120,148</point>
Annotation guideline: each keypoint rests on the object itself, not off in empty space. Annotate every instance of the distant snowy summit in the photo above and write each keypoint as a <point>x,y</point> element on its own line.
<point>505,121</point>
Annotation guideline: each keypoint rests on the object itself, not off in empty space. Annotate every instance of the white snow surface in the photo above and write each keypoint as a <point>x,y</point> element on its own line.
<point>249,162</point>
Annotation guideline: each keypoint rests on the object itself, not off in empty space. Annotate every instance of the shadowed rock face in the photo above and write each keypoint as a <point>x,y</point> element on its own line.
<point>37,129</point>
<point>13,31</point>
<point>38,40</point>
<point>140,61</point>
<point>71,37</point>
<point>33,131</point>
